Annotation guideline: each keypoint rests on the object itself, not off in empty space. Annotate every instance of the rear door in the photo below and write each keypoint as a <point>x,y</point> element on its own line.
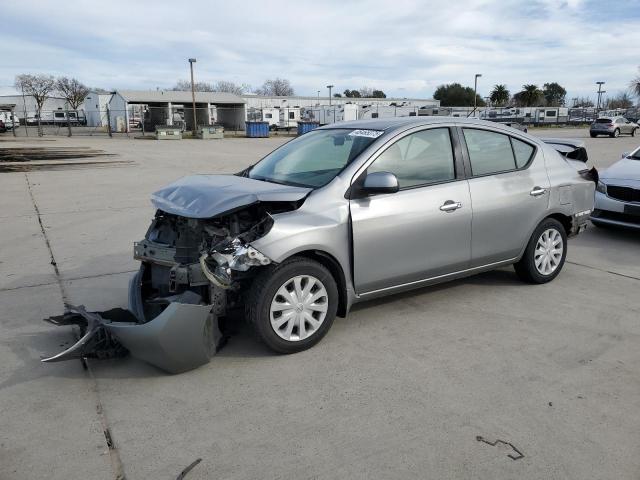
<point>421,231</point>
<point>509,192</point>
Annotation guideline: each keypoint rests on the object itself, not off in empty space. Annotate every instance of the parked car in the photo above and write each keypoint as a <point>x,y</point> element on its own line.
<point>617,200</point>
<point>340,215</point>
<point>613,127</point>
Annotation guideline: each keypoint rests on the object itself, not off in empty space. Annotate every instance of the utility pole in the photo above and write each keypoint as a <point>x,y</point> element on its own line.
<point>330,87</point>
<point>318,97</point>
<point>600,92</point>
<point>193,97</point>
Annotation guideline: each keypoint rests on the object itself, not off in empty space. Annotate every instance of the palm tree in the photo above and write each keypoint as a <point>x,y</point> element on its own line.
<point>531,95</point>
<point>500,95</point>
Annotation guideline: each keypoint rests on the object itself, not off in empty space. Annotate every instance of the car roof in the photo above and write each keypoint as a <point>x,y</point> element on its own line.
<point>402,123</point>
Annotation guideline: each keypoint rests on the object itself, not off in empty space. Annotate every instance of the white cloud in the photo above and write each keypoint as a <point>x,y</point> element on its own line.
<point>406,48</point>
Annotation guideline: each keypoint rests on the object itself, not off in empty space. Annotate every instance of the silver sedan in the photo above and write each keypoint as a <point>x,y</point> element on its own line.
<point>342,214</point>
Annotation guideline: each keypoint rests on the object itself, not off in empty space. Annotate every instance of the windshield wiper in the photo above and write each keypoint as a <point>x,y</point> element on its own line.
<point>280,182</point>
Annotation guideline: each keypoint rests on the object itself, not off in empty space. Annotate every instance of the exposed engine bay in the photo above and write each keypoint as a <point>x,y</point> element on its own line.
<point>193,272</point>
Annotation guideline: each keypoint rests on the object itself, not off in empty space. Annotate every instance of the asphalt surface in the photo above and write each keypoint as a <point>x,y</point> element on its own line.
<point>548,377</point>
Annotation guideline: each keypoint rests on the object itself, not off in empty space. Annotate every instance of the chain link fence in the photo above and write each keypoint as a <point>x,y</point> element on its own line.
<point>143,120</point>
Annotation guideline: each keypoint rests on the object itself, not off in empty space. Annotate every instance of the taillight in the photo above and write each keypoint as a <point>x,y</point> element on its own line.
<point>610,125</point>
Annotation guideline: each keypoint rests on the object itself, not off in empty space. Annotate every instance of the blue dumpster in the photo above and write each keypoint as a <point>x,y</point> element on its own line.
<point>304,127</point>
<point>257,129</point>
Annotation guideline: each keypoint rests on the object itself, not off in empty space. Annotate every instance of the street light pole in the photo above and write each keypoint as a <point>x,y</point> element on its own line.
<point>475,90</point>
<point>193,96</point>
<point>600,92</point>
<point>330,87</point>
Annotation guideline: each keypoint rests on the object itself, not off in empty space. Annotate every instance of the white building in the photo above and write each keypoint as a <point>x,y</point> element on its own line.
<point>25,107</point>
<point>95,108</point>
<point>168,107</point>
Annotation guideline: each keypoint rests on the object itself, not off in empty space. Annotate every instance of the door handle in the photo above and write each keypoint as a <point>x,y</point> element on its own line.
<point>450,206</point>
<point>537,191</point>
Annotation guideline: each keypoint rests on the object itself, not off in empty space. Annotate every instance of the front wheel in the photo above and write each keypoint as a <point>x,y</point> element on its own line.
<point>545,254</point>
<point>633,132</point>
<point>292,305</point>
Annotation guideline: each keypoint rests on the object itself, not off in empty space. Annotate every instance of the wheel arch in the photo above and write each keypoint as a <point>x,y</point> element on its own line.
<point>565,220</point>
<point>332,264</point>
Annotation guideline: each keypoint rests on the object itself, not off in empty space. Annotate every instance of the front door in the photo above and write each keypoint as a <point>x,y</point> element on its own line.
<point>421,231</point>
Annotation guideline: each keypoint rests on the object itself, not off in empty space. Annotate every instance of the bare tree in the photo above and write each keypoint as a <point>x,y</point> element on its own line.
<point>228,87</point>
<point>185,86</point>
<point>620,101</point>
<point>366,92</point>
<point>277,87</point>
<point>635,86</point>
<point>72,90</point>
<point>39,87</point>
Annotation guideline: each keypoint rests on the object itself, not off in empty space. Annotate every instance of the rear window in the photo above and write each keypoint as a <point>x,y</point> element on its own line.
<point>604,120</point>
<point>523,152</point>
<point>489,152</point>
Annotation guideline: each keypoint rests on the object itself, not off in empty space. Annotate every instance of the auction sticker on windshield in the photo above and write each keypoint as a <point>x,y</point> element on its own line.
<point>366,133</point>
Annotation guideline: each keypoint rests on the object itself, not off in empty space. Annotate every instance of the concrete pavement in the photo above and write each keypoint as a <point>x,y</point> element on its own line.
<point>399,389</point>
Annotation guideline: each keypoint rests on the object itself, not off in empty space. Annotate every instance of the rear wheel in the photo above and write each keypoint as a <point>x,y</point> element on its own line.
<point>616,133</point>
<point>593,135</point>
<point>293,305</point>
<point>545,254</point>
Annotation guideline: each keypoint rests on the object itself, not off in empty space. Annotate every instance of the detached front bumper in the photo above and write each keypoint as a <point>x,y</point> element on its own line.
<point>182,337</point>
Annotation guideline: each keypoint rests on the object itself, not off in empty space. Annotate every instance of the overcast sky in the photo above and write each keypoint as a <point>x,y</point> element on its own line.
<point>406,48</point>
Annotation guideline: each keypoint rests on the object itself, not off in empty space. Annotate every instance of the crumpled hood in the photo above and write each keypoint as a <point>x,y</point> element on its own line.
<point>206,196</point>
<point>625,169</point>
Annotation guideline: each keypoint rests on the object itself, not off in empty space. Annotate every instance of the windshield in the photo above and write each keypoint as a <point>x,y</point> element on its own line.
<point>315,158</point>
<point>604,120</point>
<point>635,154</point>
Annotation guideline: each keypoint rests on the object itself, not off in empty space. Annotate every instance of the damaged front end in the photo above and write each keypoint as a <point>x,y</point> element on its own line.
<point>193,273</point>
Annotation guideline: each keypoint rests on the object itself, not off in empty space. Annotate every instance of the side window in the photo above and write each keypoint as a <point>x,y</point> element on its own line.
<point>489,152</point>
<point>417,159</point>
<point>523,152</point>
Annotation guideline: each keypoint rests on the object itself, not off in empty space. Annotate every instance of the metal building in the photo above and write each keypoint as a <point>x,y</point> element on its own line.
<point>167,107</point>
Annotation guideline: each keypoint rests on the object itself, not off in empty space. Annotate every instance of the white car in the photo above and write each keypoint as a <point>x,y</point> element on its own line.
<point>617,200</point>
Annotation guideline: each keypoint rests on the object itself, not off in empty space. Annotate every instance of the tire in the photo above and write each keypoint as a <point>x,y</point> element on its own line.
<point>267,289</point>
<point>616,133</point>
<point>593,135</point>
<point>526,268</point>
<point>633,132</point>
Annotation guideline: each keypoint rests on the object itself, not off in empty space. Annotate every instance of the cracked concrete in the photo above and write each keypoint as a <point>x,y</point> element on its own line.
<point>400,389</point>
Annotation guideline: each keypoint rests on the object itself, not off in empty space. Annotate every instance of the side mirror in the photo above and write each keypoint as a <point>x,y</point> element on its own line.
<point>625,154</point>
<point>380,182</point>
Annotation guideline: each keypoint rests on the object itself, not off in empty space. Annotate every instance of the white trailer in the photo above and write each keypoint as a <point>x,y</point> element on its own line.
<point>324,114</point>
<point>289,117</point>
